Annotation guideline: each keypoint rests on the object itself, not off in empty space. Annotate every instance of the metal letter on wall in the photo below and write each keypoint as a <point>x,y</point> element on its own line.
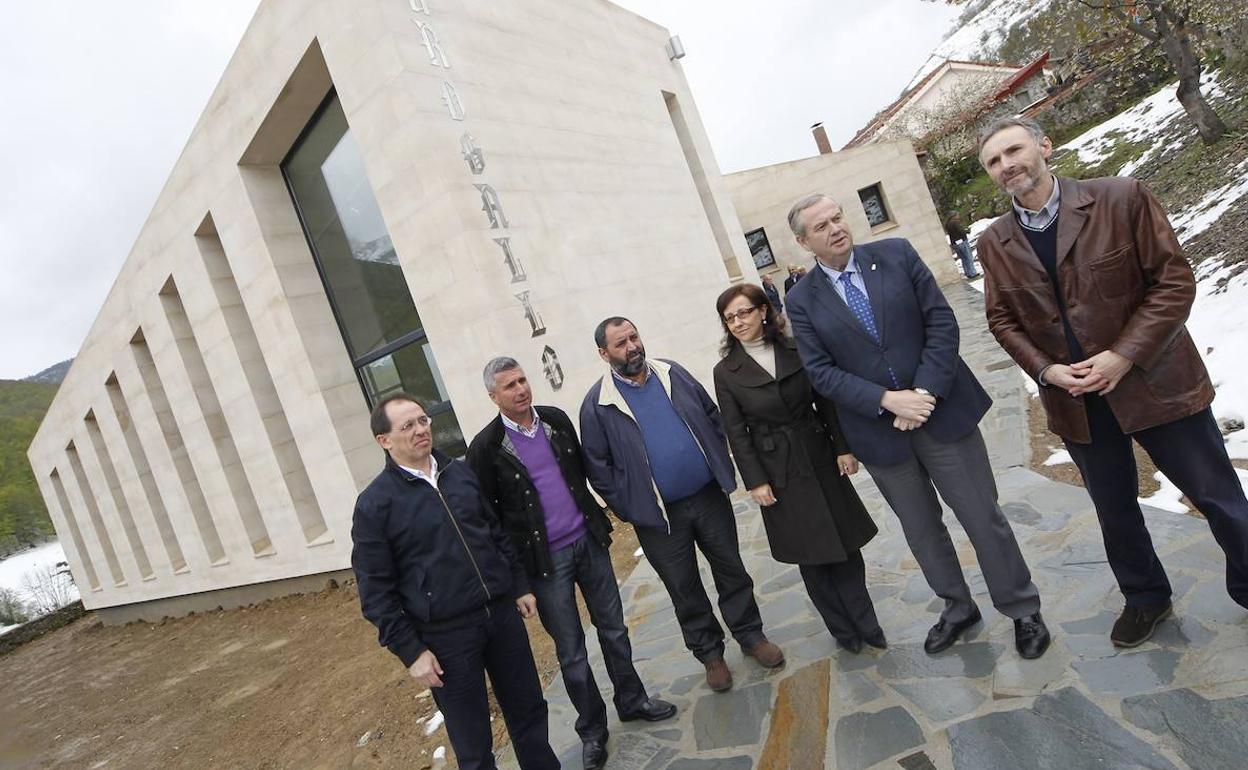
<point>437,57</point>
<point>491,205</point>
<point>535,320</point>
<point>551,368</point>
<point>419,6</point>
<point>472,153</point>
<point>450,97</point>
<point>512,262</point>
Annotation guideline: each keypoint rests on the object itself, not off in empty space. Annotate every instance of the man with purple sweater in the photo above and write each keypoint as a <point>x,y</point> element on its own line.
<point>528,461</point>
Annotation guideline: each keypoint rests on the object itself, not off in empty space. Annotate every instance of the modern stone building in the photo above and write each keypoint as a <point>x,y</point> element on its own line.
<point>880,187</point>
<point>380,194</point>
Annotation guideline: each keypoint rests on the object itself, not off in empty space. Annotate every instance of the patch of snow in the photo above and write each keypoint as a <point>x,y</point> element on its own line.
<point>1167,498</point>
<point>14,568</point>
<point>1195,219</point>
<point>435,722</point>
<point>1219,326</point>
<point>980,37</point>
<point>639,552</point>
<point>1059,457</point>
<point>5,629</point>
<point>1146,121</point>
<point>977,284</point>
<point>439,753</point>
<point>1030,384</point>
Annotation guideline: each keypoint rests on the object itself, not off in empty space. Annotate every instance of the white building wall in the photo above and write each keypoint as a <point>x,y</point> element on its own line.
<point>217,345</point>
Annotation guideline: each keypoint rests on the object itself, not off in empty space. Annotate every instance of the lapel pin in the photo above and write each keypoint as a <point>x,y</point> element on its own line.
<point>872,265</point>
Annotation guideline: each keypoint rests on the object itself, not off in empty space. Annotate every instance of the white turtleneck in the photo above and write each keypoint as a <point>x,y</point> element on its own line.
<point>761,351</point>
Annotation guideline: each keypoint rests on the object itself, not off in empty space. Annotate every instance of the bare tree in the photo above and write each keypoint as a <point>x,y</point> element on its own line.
<point>1181,28</point>
<point>49,587</point>
<point>1175,26</point>
<point>12,609</point>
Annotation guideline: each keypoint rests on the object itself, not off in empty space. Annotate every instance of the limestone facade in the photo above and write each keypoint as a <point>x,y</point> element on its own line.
<point>763,196</point>
<point>539,164</point>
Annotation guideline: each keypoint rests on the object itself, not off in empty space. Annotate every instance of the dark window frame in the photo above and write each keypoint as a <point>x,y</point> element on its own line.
<point>766,242</point>
<point>358,363</point>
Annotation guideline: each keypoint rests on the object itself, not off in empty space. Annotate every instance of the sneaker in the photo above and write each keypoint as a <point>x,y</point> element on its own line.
<point>1136,625</point>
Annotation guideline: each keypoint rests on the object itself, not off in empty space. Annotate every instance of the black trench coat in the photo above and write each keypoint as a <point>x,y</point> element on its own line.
<point>784,434</point>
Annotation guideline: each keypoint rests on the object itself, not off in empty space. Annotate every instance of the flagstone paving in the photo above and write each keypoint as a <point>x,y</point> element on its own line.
<point>1178,701</point>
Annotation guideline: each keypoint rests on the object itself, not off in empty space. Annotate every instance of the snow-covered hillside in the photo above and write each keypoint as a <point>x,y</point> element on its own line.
<point>979,37</point>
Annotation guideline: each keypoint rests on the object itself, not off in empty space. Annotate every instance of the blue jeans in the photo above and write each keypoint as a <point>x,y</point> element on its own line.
<point>587,564</point>
<point>968,263</point>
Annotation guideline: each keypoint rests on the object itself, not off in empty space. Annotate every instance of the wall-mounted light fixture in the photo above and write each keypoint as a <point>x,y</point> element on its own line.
<point>675,49</point>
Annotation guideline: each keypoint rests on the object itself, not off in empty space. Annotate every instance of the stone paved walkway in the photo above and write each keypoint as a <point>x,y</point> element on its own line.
<point>1179,701</point>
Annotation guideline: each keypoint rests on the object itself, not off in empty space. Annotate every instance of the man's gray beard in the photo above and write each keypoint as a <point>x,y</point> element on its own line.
<point>630,370</point>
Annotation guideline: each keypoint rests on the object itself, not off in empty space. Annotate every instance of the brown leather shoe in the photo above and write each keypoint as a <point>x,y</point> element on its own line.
<point>718,677</point>
<point>767,654</point>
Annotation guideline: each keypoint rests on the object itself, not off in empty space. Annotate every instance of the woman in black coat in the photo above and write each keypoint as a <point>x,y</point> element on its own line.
<point>787,444</point>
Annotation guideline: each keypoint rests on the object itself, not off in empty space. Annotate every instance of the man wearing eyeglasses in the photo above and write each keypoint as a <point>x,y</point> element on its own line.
<point>440,580</point>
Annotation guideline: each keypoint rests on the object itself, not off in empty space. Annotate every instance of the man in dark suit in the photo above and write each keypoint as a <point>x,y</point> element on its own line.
<point>878,338</point>
<point>1088,290</point>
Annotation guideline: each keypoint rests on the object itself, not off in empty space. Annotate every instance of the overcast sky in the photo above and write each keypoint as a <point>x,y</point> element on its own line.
<point>101,97</point>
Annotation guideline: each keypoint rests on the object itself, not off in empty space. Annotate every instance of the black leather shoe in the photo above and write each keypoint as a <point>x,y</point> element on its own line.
<point>594,754</point>
<point>1031,636</point>
<point>944,634</point>
<point>876,640</point>
<point>653,710</point>
<point>850,644</point>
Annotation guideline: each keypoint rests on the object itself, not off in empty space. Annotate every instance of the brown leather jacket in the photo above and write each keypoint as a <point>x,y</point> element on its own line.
<point>1127,287</point>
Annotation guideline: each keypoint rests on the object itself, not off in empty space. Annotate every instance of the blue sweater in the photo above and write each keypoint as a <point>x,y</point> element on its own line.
<point>676,461</point>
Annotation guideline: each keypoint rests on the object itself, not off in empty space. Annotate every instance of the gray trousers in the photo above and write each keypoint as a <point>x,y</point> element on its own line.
<point>960,471</point>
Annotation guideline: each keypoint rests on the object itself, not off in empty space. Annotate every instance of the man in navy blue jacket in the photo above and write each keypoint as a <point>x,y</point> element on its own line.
<point>878,338</point>
<point>439,579</point>
<point>655,451</point>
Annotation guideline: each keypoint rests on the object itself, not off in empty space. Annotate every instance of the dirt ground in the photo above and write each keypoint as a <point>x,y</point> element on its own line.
<point>1044,443</point>
<point>291,683</point>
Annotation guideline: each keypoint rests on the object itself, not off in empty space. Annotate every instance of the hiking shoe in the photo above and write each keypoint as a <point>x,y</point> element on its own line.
<point>1136,625</point>
<point>767,654</point>
<point>718,677</point>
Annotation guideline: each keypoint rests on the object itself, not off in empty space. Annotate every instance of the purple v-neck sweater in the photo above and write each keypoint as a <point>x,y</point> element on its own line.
<point>564,522</point>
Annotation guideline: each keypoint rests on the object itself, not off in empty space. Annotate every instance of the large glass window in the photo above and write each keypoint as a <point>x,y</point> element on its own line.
<point>361,272</point>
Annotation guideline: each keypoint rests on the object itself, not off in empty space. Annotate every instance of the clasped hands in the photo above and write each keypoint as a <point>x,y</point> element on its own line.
<point>426,669</point>
<point>1099,374</point>
<point>911,409</point>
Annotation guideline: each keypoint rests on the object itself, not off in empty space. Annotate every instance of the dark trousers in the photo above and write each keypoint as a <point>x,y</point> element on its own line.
<point>704,519</point>
<point>499,645</point>
<point>839,592</point>
<point>1190,453</point>
<point>587,564</point>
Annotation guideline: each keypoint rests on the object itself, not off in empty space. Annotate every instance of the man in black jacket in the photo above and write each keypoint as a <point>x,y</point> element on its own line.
<point>439,579</point>
<point>528,460</point>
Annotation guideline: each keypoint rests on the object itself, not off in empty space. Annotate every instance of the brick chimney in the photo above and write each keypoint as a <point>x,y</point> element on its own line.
<point>821,139</point>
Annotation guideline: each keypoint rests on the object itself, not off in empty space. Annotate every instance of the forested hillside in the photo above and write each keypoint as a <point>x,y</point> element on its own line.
<point>23,516</point>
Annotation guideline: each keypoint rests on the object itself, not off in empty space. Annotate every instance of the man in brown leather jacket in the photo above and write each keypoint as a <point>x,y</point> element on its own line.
<point>1088,290</point>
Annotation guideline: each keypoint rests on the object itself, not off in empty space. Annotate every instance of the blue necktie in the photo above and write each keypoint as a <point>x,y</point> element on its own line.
<point>860,306</point>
